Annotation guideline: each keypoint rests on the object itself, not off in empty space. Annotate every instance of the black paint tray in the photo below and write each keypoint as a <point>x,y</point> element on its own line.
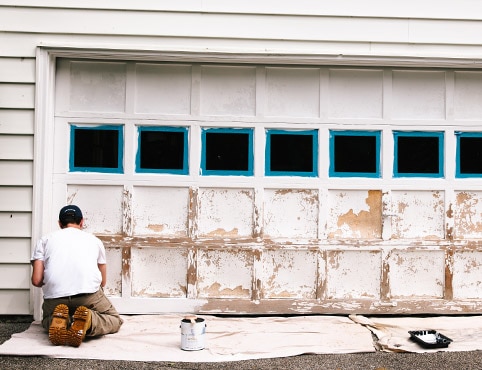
<point>430,338</point>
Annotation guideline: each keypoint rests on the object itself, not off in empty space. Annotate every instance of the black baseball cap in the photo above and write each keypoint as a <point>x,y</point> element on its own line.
<point>70,212</point>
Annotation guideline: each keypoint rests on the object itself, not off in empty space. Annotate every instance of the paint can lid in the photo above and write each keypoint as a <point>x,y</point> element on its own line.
<point>192,319</point>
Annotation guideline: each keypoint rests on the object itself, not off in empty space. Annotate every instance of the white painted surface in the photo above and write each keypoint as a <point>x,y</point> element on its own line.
<point>159,272</point>
<point>225,213</point>
<point>161,211</point>
<point>467,270</point>
<point>418,274</point>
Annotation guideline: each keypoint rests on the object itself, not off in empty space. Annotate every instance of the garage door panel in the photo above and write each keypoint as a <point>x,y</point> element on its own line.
<point>417,273</point>
<point>226,213</point>
<point>101,205</point>
<point>292,92</point>
<point>353,274</point>
<point>468,215</point>
<point>302,219</point>
<point>289,274</point>
<point>227,90</point>
<point>161,211</point>
<point>354,214</point>
<point>466,276</point>
<point>225,273</point>
<point>97,87</point>
<point>159,272</point>
<point>418,95</point>
<point>418,214</point>
<point>355,93</point>
<point>163,89</point>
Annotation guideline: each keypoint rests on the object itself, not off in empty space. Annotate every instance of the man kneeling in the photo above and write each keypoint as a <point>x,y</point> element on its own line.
<point>70,267</point>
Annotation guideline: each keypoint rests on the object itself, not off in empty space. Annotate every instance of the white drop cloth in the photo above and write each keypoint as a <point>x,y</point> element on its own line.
<point>158,338</point>
<point>393,336</point>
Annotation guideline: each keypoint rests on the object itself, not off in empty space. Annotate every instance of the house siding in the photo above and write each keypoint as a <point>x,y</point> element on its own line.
<point>17,79</point>
<point>341,29</point>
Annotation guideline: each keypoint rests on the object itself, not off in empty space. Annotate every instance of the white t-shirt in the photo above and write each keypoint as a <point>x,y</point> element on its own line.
<point>70,259</point>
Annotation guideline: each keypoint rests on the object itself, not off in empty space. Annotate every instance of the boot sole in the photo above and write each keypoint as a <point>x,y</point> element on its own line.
<point>78,329</point>
<point>58,327</point>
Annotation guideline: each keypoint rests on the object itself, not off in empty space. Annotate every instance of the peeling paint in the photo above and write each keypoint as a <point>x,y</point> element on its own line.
<point>362,223</point>
<point>156,228</point>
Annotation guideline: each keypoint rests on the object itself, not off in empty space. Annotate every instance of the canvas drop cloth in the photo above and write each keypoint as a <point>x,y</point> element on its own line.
<point>158,338</point>
<point>393,336</point>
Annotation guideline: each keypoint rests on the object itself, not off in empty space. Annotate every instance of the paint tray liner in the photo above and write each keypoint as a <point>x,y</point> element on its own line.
<point>430,338</point>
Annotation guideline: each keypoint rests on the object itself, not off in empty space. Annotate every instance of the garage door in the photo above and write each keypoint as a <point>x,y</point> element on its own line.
<point>275,189</point>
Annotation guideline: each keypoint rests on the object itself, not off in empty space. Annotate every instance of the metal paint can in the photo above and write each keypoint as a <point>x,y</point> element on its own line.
<point>193,332</point>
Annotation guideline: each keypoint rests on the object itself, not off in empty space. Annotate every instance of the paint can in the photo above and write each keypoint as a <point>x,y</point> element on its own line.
<point>193,332</point>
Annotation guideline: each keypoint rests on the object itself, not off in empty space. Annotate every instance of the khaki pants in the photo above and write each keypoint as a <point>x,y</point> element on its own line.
<point>105,319</point>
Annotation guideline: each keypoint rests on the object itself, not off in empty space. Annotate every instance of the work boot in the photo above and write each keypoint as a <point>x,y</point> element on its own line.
<point>59,324</point>
<point>80,325</point>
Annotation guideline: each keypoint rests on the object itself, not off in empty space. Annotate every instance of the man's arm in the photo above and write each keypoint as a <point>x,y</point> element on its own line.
<point>103,271</point>
<point>38,273</point>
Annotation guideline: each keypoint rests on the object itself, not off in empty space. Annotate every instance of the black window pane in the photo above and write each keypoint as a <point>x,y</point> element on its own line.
<point>96,148</point>
<point>291,153</point>
<point>161,150</point>
<point>354,153</point>
<point>227,151</point>
<point>418,154</point>
<point>470,155</point>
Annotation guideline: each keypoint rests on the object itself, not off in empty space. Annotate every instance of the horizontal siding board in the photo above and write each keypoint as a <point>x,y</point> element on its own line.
<point>15,302</point>
<point>235,26</point>
<point>15,276</point>
<point>411,9</point>
<point>81,21</point>
<point>16,173</point>
<point>16,121</point>
<point>15,199</point>
<point>15,224</point>
<point>15,250</point>
<point>17,95</point>
<point>16,147</point>
<point>17,70</point>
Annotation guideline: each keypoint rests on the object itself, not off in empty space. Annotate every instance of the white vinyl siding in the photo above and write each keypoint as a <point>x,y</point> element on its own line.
<point>17,95</point>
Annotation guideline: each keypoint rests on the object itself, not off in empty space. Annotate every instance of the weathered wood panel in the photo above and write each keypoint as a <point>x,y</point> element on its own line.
<point>161,211</point>
<point>467,271</point>
<point>159,272</point>
<point>354,214</point>
<point>224,273</point>
<point>301,221</point>
<point>113,287</point>
<point>216,219</point>
<point>409,207</point>
<point>102,204</point>
<point>289,274</point>
<point>417,274</point>
<point>468,215</point>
